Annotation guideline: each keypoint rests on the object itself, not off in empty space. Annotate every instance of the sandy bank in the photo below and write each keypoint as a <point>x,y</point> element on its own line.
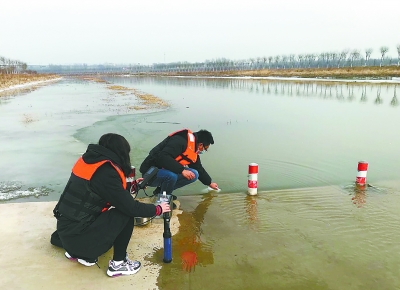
<point>13,86</point>
<point>31,262</point>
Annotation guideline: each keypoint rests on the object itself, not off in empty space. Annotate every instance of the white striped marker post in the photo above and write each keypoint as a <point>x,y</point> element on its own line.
<point>252,182</point>
<point>361,178</point>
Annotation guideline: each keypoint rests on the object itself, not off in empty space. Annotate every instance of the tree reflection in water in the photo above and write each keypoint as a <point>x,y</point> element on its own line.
<point>326,89</point>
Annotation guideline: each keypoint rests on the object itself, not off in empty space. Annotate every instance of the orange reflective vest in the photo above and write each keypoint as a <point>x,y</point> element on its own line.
<point>85,171</point>
<point>189,155</point>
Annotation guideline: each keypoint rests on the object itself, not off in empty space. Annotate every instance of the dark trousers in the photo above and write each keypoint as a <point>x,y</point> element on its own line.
<point>111,229</point>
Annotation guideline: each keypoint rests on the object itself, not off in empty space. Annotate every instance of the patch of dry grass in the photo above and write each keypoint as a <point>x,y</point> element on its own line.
<point>146,100</point>
<point>27,119</point>
<point>91,78</point>
<point>118,88</point>
<point>10,80</point>
<point>372,72</point>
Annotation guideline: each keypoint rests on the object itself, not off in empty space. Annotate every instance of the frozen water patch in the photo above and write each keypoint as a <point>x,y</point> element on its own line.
<point>14,190</point>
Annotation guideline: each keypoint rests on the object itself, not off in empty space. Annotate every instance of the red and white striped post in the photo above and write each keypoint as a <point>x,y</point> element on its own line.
<point>361,178</point>
<point>252,182</point>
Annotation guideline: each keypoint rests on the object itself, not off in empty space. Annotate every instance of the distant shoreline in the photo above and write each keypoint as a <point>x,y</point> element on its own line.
<point>387,74</point>
<point>346,73</point>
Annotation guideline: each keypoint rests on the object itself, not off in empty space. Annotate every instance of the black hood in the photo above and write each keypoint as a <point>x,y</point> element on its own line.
<point>96,153</point>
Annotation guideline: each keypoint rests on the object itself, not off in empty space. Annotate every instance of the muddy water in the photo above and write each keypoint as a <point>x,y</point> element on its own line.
<point>314,238</point>
<point>308,228</point>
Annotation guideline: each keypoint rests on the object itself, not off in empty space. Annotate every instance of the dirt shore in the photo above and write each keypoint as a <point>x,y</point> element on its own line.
<point>25,243</point>
<point>12,80</point>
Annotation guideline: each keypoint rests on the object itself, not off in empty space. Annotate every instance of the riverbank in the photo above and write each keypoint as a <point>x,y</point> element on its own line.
<point>11,81</point>
<point>33,263</point>
<point>373,72</point>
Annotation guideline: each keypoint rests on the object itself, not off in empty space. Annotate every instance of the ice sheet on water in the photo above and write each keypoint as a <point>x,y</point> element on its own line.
<point>14,189</point>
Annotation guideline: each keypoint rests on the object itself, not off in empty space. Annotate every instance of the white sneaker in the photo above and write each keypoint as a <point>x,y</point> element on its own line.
<point>86,263</point>
<point>128,267</point>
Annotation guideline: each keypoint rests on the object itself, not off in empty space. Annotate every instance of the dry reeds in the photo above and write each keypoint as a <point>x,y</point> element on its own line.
<point>10,80</point>
<point>373,72</point>
<point>146,100</point>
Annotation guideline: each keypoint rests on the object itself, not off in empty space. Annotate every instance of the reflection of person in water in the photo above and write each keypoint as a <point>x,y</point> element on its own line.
<point>359,197</point>
<point>190,246</point>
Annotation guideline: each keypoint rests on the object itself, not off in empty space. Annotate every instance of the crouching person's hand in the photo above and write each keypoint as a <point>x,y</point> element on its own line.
<point>165,207</point>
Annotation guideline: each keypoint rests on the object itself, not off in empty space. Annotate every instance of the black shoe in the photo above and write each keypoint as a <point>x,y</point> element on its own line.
<point>157,190</point>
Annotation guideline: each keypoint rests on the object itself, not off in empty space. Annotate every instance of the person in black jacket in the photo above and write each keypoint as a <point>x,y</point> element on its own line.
<point>177,158</point>
<point>96,211</point>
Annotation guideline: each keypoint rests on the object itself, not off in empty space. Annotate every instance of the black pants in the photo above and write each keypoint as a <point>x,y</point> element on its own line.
<point>111,228</point>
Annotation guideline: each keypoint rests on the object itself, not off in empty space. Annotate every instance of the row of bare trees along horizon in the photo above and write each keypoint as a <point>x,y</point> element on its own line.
<point>11,66</point>
<point>345,58</point>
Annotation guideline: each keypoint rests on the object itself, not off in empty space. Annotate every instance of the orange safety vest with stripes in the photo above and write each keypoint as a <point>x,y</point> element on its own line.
<point>85,171</point>
<point>189,155</point>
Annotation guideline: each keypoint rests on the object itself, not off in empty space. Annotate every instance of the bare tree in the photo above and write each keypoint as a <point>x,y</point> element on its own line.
<point>398,54</point>
<point>292,59</point>
<point>354,56</point>
<point>300,57</point>
<point>384,50</point>
<point>2,64</point>
<point>367,55</point>
<point>270,58</point>
<point>264,59</point>
<point>284,60</point>
<point>333,56</point>
<point>309,58</point>
<point>259,62</point>
<point>322,59</point>
<point>277,59</point>
<point>343,56</point>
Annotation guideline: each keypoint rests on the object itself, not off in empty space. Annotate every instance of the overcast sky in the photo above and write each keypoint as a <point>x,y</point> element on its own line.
<point>156,31</point>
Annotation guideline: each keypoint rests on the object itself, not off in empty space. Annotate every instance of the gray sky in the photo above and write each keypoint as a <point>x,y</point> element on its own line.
<point>155,31</point>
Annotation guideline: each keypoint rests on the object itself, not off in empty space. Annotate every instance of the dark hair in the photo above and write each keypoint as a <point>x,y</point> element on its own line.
<point>120,146</point>
<point>205,137</point>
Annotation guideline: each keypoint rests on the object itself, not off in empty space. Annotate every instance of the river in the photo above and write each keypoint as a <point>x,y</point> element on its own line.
<point>309,227</point>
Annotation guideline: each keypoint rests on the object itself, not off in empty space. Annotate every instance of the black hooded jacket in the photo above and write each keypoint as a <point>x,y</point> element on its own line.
<point>105,187</point>
<point>163,156</point>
